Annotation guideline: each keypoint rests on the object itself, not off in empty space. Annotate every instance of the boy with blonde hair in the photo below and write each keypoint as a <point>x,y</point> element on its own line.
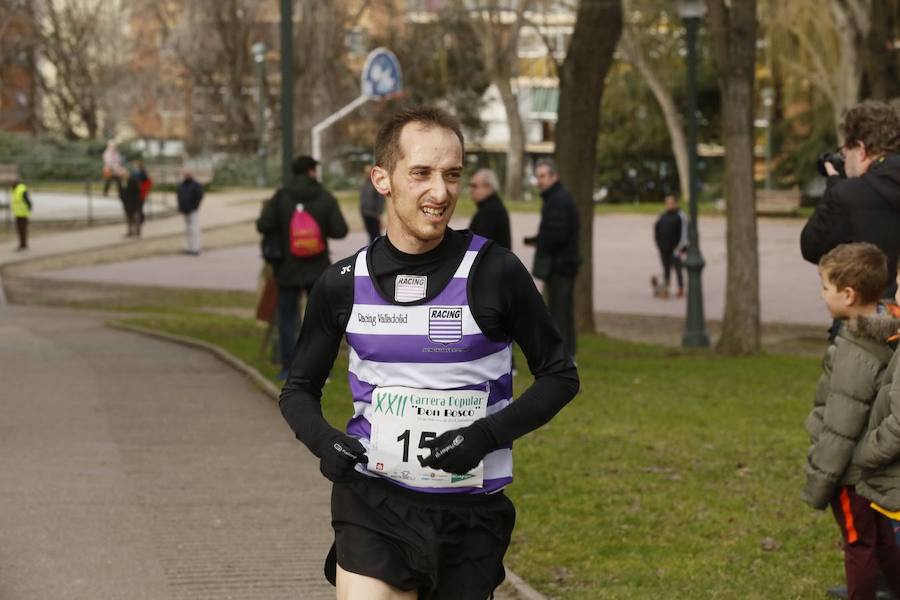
<point>854,367</point>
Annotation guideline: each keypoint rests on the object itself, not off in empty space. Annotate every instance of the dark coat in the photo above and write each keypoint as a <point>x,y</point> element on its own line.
<point>130,194</point>
<point>189,193</point>
<point>557,236</point>
<point>858,209</point>
<point>293,271</point>
<point>670,231</point>
<point>492,221</point>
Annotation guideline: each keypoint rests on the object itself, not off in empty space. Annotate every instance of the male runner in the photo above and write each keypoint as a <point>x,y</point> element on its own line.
<point>429,313</point>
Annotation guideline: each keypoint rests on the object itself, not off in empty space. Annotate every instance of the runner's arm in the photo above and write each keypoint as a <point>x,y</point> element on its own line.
<point>323,327</point>
<point>516,309</point>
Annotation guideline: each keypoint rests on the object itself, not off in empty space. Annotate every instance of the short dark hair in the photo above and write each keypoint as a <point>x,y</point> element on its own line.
<point>303,164</point>
<point>387,141</point>
<point>874,123</point>
<point>860,266</point>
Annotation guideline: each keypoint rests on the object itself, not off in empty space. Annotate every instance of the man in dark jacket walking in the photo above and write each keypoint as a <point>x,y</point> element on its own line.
<point>865,207</point>
<point>556,257</point>
<point>491,219</point>
<point>189,194</point>
<point>671,237</point>
<point>293,273</point>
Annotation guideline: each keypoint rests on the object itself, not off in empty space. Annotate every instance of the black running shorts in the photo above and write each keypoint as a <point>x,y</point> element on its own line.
<point>446,546</point>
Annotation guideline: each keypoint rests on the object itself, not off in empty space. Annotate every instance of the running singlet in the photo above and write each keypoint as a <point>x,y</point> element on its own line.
<point>419,369</point>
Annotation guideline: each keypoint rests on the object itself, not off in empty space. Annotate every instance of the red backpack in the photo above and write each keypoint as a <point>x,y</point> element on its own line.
<point>306,236</point>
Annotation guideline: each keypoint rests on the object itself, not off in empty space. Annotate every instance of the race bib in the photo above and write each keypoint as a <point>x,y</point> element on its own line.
<point>404,418</point>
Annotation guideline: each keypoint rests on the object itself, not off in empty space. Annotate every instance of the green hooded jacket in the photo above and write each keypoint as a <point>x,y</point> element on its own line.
<point>878,453</point>
<point>852,371</point>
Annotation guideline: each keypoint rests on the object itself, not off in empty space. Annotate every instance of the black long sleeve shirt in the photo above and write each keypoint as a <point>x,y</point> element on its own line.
<point>503,300</point>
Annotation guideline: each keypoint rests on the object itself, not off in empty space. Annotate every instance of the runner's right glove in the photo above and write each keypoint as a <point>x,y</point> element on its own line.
<point>338,457</point>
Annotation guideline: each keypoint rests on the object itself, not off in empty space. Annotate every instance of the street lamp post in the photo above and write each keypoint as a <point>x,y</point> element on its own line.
<point>695,335</point>
<point>259,57</point>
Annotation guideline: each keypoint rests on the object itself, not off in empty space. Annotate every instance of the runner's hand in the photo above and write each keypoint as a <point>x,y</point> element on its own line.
<point>338,457</point>
<point>458,450</point>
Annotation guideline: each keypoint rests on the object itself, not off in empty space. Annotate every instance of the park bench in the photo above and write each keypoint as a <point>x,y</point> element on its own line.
<point>778,203</point>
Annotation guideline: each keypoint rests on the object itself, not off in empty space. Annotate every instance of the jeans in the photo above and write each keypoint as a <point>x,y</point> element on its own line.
<point>288,321</point>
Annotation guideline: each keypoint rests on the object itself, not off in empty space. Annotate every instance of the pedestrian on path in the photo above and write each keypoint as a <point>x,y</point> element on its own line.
<point>556,256</point>
<point>670,233</point>
<point>418,507</point>
<point>190,194</point>
<point>371,205</point>
<point>301,217</point>
<point>130,195</point>
<point>112,167</point>
<point>491,220</point>
<point>853,368</point>
<point>21,210</point>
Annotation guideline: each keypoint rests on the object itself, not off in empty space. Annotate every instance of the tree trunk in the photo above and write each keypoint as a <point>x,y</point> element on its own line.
<point>598,26</point>
<point>672,117</point>
<point>515,164</point>
<point>734,35</point>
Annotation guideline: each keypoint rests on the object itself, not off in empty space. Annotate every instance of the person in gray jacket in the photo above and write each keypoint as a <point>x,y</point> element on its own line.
<point>854,366</point>
<point>878,453</point>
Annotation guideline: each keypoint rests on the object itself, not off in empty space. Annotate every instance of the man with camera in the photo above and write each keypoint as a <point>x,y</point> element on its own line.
<point>862,204</point>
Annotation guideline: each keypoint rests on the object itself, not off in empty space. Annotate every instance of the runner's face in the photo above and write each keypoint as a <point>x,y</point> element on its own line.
<point>423,187</point>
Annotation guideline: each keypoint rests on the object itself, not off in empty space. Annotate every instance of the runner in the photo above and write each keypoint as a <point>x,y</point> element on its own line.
<point>418,507</point>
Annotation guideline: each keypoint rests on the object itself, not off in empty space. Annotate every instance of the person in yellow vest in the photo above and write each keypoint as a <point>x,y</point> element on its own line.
<point>21,210</point>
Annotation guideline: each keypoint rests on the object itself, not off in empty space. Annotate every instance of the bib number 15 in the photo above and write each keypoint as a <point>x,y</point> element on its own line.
<point>404,439</point>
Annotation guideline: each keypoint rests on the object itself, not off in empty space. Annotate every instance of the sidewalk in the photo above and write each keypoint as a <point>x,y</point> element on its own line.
<point>218,209</point>
<point>134,468</point>
<point>624,259</point>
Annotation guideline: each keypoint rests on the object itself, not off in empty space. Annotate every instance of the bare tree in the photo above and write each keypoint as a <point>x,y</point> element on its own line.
<point>323,82</point>
<point>498,25</point>
<point>84,46</point>
<point>631,46</point>
<point>824,42</point>
<point>598,26</point>
<point>734,27</point>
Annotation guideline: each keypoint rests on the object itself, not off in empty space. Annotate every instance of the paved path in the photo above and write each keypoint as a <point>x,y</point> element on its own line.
<point>81,208</point>
<point>135,468</point>
<point>624,259</point>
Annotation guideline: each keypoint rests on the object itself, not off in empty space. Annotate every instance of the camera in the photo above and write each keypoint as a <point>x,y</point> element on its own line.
<point>836,160</point>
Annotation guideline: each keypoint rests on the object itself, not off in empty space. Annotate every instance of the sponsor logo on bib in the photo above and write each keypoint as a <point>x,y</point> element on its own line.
<point>445,324</point>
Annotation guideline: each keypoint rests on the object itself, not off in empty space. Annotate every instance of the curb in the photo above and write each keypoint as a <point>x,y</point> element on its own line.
<point>523,590</point>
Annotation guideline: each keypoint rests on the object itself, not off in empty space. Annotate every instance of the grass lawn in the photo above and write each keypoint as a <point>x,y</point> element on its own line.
<point>672,475</point>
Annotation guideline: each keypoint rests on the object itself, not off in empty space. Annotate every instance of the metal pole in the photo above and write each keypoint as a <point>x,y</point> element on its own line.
<point>695,335</point>
<point>287,89</point>
<point>259,56</point>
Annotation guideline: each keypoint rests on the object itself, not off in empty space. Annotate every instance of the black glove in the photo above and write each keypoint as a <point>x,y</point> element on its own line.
<point>339,455</point>
<point>459,450</point>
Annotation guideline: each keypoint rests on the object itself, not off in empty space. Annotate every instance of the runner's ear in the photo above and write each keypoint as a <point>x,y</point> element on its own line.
<point>381,179</point>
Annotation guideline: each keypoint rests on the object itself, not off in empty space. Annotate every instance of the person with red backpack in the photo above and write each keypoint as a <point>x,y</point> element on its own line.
<point>296,224</point>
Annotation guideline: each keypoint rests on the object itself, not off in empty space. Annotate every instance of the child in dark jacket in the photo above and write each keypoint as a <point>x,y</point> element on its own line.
<point>854,367</point>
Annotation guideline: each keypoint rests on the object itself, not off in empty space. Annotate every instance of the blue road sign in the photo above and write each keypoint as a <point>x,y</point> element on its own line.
<point>381,76</point>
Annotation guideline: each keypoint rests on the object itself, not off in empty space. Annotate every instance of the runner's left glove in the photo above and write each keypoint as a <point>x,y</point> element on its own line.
<point>458,450</point>
<point>338,457</point>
